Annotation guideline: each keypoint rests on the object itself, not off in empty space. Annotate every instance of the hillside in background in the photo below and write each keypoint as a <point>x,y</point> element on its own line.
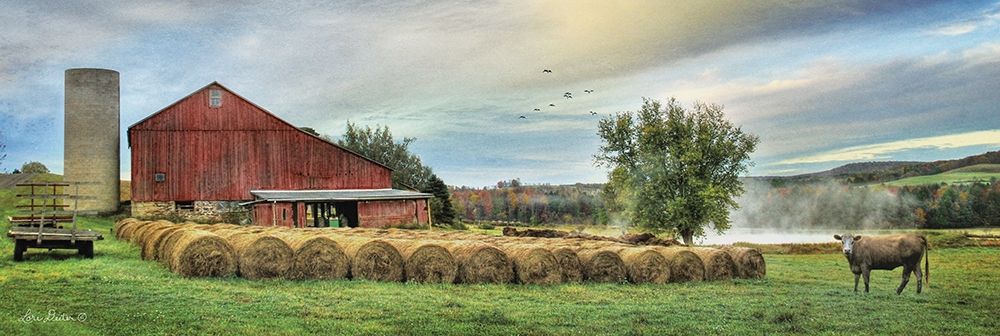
<point>880,172</point>
<point>859,168</point>
<point>979,173</point>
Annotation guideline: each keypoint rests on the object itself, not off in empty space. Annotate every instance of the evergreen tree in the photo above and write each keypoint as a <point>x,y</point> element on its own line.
<point>441,208</point>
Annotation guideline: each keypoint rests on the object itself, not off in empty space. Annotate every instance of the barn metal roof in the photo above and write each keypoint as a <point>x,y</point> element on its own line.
<point>336,195</point>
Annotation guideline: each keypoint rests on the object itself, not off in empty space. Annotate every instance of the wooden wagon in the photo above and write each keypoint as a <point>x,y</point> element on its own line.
<point>45,225</point>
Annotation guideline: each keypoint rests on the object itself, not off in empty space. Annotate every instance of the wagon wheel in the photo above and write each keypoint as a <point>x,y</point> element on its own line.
<point>85,248</point>
<point>19,247</point>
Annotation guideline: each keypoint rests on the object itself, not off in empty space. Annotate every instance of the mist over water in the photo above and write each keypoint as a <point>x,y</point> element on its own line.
<point>812,213</point>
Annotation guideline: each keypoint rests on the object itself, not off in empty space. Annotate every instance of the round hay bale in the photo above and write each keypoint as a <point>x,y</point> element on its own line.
<point>317,257</point>
<point>533,264</point>
<point>217,226</point>
<point>603,265</point>
<point>119,224</point>
<point>645,265</point>
<point>153,239</point>
<point>125,232</point>
<point>372,259</point>
<point>131,233</point>
<point>261,256</point>
<point>569,265</point>
<point>227,233</point>
<point>202,254</point>
<point>684,264</point>
<point>718,264</point>
<point>139,235</point>
<point>426,262</point>
<point>749,262</point>
<point>165,248</point>
<point>479,262</point>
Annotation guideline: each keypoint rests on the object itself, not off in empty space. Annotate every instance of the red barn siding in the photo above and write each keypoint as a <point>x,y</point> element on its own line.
<point>223,153</point>
<point>265,216</point>
<point>380,214</point>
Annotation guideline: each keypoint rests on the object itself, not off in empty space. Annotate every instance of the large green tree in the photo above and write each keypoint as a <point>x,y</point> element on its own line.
<point>674,169</point>
<point>378,144</point>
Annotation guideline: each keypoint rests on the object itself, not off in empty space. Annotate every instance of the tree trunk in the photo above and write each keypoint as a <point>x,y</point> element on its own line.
<point>688,237</point>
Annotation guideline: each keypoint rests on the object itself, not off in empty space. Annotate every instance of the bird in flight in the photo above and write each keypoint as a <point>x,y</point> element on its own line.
<point>593,113</point>
<point>536,110</point>
<point>588,91</point>
<point>522,117</point>
<point>553,105</point>
<point>547,70</point>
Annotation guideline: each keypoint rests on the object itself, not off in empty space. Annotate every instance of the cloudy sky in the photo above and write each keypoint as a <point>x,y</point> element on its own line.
<point>822,83</point>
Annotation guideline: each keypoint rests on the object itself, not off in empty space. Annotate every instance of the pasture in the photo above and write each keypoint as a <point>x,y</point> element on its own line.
<point>969,174</point>
<point>123,295</point>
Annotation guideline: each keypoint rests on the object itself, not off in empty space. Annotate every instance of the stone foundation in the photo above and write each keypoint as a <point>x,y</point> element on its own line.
<point>203,211</point>
<point>152,209</point>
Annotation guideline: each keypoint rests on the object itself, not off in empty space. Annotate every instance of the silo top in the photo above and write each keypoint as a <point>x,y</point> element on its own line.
<point>84,71</point>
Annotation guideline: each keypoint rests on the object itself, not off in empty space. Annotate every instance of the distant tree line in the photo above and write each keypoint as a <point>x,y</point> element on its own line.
<point>535,205</point>
<point>956,205</point>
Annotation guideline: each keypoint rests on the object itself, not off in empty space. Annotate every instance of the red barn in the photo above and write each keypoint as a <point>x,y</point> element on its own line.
<point>214,152</point>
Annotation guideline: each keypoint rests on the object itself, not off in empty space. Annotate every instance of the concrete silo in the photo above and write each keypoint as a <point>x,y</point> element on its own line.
<point>91,151</point>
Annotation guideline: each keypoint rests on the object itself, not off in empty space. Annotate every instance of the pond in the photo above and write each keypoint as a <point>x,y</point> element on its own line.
<point>771,236</point>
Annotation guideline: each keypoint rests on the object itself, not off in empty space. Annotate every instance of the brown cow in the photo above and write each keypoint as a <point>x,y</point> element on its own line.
<point>886,253</point>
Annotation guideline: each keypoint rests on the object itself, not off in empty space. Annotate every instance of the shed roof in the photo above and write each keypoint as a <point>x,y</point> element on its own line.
<point>337,195</point>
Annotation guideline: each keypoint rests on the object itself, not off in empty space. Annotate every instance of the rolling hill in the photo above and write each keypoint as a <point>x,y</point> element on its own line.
<point>889,171</point>
<point>968,174</point>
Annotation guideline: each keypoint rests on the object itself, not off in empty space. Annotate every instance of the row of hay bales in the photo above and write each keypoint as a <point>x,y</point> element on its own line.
<point>253,252</point>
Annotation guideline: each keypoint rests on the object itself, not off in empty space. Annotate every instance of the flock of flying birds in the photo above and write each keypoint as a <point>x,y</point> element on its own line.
<point>567,95</point>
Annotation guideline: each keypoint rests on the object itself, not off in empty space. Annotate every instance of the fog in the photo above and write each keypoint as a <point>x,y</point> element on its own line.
<point>811,213</point>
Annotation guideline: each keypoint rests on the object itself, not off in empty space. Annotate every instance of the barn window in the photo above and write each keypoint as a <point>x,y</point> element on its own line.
<point>284,214</point>
<point>184,205</point>
<point>159,177</point>
<point>215,98</point>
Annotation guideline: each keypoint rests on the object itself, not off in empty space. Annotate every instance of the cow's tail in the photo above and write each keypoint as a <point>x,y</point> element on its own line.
<point>927,262</point>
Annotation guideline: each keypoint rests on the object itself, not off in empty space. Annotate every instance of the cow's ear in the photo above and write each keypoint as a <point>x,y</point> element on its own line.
<point>857,238</point>
<point>837,237</point>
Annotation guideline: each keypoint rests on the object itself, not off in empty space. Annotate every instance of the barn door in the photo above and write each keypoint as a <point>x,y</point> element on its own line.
<point>347,211</point>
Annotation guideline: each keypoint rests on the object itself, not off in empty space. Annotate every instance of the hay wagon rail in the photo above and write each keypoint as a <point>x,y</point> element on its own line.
<point>40,227</point>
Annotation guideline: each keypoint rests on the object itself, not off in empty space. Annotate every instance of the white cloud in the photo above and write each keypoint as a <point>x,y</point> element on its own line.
<point>984,53</point>
<point>884,150</point>
<point>982,20</point>
<point>956,29</point>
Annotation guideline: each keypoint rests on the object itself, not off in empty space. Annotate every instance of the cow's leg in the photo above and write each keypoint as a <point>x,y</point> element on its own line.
<point>906,278</point>
<point>866,272</point>
<point>920,277</point>
<point>856,277</point>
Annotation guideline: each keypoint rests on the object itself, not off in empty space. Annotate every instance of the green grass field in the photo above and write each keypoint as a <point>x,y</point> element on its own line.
<point>802,294</point>
<point>970,174</point>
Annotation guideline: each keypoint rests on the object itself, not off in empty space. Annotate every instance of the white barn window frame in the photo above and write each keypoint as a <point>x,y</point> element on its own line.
<point>215,98</point>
